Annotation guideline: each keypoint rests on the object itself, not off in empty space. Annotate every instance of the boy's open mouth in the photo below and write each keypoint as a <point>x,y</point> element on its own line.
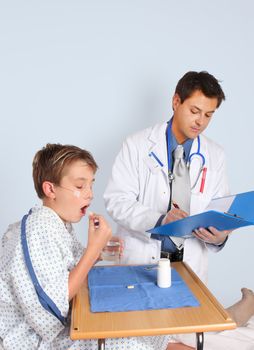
<point>83,209</point>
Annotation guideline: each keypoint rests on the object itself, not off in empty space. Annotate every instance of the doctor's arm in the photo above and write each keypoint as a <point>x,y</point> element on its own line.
<point>122,195</point>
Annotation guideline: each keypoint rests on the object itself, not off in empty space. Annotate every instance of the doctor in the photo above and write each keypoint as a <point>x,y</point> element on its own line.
<point>140,193</point>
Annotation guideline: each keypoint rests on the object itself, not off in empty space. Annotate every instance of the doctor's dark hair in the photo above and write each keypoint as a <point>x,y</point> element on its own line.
<point>202,81</point>
<point>50,163</point>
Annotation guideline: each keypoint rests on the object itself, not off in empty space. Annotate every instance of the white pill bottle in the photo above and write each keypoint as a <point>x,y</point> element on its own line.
<point>164,273</point>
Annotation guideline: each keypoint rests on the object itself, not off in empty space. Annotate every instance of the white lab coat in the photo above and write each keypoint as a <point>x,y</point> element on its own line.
<point>138,193</point>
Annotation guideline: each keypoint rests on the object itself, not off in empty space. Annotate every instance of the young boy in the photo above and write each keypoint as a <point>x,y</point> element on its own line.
<point>42,265</point>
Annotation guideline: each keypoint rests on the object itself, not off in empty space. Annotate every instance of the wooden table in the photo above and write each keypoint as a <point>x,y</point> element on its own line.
<point>209,316</point>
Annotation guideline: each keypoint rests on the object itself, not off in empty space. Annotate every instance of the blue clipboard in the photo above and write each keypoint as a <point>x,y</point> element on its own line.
<point>239,214</point>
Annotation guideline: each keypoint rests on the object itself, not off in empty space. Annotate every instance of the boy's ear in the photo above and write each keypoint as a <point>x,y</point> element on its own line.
<point>49,190</point>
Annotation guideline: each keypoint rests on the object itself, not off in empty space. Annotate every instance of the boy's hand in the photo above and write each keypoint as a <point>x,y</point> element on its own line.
<point>99,233</point>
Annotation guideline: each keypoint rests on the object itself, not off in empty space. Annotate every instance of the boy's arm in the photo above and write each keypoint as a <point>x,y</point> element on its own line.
<point>97,239</point>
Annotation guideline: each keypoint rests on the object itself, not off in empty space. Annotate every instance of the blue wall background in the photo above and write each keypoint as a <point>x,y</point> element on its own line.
<point>91,72</point>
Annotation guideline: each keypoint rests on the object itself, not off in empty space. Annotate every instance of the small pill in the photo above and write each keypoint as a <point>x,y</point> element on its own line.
<point>130,287</point>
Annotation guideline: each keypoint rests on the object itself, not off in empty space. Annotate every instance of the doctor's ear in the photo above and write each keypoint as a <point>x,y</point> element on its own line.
<point>176,101</point>
<point>48,189</point>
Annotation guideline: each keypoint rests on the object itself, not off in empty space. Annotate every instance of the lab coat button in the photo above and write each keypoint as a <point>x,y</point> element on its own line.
<point>153,257</point>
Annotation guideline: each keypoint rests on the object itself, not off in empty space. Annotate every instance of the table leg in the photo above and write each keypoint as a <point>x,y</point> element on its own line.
<point>200,340</point>
<point>101,344</point>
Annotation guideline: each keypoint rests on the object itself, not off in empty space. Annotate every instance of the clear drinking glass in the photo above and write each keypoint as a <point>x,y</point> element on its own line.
<point>111,252</point>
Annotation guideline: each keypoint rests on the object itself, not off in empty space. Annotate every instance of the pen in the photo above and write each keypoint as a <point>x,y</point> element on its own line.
<point>175,205</point>
<point>152,154</point>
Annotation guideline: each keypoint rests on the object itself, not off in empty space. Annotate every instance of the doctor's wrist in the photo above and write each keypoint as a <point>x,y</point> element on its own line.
<point>222,243</point>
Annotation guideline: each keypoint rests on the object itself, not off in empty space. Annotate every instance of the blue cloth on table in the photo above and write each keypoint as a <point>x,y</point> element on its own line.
<point>108,289</point>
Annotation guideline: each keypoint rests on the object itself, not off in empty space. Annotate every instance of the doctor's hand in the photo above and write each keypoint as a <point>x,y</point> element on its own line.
<point>213,236</point>
<point>173,215</point>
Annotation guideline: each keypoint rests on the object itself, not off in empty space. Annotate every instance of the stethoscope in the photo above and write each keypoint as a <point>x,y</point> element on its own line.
<point>198,155</point>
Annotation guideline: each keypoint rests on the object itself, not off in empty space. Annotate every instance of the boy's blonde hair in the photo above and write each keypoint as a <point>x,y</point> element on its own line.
<point>51,161</point>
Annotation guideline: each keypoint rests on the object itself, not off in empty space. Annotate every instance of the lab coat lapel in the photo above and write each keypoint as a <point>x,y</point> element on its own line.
<point>159,145</point>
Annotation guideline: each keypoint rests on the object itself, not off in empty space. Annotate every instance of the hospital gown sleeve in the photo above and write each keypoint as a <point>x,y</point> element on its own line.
<point>50,257</point>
